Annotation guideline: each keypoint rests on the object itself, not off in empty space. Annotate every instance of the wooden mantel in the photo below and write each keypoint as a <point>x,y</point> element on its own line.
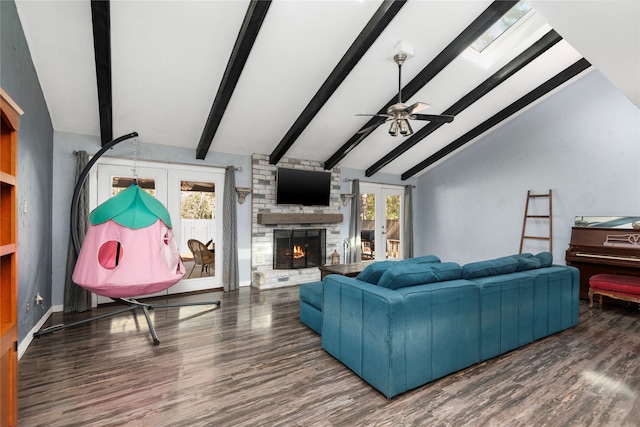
<point>298,218</point>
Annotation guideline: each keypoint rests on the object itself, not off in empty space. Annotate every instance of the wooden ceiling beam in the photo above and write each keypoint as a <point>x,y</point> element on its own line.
<point>253,19</point>
<point>499,77</point>
<point>101,23</point>
<point>560,78</point>
<point>378,22</point>
<point>492,14</point>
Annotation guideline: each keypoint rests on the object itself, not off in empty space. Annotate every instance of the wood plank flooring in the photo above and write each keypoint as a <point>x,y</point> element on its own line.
<point>252,363</point>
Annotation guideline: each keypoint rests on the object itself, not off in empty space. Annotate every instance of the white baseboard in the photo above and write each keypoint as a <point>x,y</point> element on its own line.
<point>58,308</point>
<point>24,344</point>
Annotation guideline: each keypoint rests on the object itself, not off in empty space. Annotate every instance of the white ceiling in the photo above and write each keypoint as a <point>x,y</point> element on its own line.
<point>168,59</point>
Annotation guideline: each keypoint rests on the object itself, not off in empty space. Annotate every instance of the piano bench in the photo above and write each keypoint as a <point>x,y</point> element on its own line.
<point>618,286</point>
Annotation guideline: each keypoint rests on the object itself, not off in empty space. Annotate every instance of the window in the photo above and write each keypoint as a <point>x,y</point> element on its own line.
<point>514,14</point>
<point>520,27</point>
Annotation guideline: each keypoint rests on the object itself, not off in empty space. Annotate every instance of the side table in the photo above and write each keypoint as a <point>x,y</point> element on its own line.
<point>349,270</point>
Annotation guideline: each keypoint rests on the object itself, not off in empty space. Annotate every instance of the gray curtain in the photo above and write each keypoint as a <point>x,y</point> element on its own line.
<point>77,298</point>
<point>407,239</point>
<point>230,278</point>
<point>355,255</point>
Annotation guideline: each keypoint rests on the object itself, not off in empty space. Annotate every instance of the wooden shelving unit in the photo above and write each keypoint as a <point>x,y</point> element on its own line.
<point>10,113</point>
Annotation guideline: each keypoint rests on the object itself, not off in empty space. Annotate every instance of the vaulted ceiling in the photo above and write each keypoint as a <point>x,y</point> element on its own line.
<point>287,78</point>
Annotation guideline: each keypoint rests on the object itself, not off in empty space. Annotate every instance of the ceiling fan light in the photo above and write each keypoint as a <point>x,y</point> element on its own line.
<point>393,129</point>
<point>405,128</point>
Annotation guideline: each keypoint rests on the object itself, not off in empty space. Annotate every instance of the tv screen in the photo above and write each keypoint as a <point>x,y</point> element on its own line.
<point>303,187</point>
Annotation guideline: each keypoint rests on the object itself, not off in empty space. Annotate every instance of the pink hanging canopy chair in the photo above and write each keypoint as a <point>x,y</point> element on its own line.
<point>128,250</point>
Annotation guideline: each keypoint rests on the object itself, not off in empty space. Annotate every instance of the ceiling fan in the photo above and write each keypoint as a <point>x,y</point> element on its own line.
<point>400,113</point>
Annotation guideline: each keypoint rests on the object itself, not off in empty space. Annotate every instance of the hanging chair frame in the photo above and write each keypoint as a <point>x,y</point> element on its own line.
<point>131,304</point>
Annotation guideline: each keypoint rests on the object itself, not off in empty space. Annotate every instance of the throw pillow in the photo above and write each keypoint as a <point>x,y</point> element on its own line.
<point>446,271</point>
<point>407,275</point>
<point>411,274</point>
<point>526,261</point>
<point>546,258</point>
<point>424,259</point>
<point>490,267</point>
<point>373,272</point>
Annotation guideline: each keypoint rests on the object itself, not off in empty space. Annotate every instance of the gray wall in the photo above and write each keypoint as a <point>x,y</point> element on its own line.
<point>35,151</point>
<point>583,142</point>
<point>64,182</point>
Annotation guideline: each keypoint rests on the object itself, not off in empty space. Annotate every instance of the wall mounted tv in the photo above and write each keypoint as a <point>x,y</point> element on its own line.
<point>303,187</point>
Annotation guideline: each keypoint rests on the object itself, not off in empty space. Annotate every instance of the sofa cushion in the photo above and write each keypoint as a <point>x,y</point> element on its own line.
<point>373,272</point>
<point>546,258</point>
<point>411,274</point>
<point>311,293</point>
<point>527,261</point>
<point>447,271</point>
<point>492,267</point>
<point>424,259</point>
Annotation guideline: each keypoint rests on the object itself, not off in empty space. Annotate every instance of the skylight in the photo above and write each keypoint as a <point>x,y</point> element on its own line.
<point>514,14</point>
<point>513,33</point>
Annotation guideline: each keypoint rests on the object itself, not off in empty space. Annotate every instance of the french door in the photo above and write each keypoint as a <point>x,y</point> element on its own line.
<point>381,228</point>
<point>193,196</point>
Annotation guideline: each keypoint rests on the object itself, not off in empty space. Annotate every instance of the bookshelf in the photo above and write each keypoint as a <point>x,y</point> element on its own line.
<point>10,113</point>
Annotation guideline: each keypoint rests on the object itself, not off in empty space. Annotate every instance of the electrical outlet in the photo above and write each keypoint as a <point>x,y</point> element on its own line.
<point>27,307</point>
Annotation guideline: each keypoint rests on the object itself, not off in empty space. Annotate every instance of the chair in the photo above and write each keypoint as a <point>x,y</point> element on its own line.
<point>367,252</point>
<point>201,256</point>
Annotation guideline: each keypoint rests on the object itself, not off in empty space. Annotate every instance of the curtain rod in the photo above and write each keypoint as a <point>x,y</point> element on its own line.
<point>378,183</point>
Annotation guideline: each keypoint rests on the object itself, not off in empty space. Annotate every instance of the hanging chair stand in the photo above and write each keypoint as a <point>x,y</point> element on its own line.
<point>131,304</point>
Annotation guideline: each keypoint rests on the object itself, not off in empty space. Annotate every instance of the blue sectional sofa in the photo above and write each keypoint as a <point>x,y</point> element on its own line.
<point>399,325</point>
<point>311,293</point>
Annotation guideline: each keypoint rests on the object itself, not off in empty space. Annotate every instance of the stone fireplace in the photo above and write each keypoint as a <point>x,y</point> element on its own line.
<point>270,223</point>
<point>302,248</point>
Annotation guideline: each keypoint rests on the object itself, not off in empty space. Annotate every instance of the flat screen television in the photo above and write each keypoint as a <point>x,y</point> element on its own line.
<point>303,187</point>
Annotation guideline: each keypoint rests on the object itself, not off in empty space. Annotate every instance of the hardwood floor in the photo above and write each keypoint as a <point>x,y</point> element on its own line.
<point>252,363</point>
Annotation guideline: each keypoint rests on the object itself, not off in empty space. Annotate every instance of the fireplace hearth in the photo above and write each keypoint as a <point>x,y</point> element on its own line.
<point>298,248</point>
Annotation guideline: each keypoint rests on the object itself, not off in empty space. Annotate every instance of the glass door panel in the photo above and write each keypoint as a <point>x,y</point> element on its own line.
<point>367,225</point>
<point>195,205</point>
<point>380,224</point>
<point>113,179</point>
<point>197,222</point>
<point>392,217</point>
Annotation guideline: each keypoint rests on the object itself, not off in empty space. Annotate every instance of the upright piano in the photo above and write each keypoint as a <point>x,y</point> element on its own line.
<point>596,250</point>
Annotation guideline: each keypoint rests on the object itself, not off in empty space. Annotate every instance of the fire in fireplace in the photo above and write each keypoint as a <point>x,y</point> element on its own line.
<point>298,248</point>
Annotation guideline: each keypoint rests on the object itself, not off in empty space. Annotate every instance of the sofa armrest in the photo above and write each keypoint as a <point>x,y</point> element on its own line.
<point>363,327</point>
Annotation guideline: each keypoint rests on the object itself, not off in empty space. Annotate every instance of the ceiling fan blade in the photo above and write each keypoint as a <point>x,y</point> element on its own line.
<point>418,106</point>
<point>374,115</point>
<point>445,118</point>
<point>370,128</point>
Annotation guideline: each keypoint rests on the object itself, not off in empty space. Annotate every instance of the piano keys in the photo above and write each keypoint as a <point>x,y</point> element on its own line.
<point>603,250</point>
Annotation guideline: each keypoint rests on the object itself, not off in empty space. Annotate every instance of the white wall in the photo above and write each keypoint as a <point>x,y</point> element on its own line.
<point>583,142</point>
<point>64,181</point>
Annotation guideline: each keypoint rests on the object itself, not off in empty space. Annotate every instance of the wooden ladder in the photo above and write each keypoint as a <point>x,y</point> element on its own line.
<point>548,217</point>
